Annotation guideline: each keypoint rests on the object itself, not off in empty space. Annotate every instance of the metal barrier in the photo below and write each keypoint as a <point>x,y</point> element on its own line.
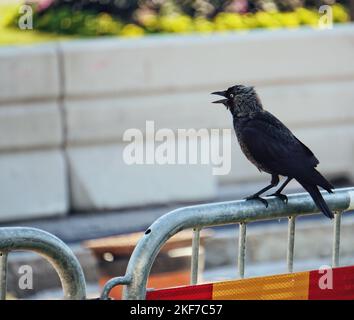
<point>193,217</point>
<point>241,212</point>
<point>51,248</point>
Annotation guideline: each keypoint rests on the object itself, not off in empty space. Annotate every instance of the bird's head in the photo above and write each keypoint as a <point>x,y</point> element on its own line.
<point>239,99</point>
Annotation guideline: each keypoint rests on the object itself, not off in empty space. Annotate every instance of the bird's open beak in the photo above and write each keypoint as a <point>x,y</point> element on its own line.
<point>220,93</point>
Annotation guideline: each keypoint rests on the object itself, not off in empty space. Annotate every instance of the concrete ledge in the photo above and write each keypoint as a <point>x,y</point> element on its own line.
<point>311,104</point>
<point>100,179</point>
<point>298,106</point>
<point>29,73</point>
<point>36,125</point>
<point>32,185</point>
<point>180,63</point>
<point>106,119</point>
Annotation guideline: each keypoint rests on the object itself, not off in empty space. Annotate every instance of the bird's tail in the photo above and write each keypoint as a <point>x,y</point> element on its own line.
<point>317,179</point>
<point>318,199</point>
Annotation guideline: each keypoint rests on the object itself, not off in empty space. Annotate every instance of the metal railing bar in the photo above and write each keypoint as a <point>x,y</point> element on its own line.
<point>336,238</point>
<point>195,256</point>
<point>54,250</point>
<point>214,214</point>
<point>113,283</point>
<point>291,243</point>
<point>3,274</point>
<point>241,249</point>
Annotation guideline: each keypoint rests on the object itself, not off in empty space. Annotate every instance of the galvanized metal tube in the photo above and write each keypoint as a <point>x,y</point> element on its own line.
<point>336,238</point>
<point>111,284</point>
<point>241,249</point>
<point>195,256</point>
<point>291,243</point>
<point>3,273</point>
<point>213,214</point>
<point>54,250</point>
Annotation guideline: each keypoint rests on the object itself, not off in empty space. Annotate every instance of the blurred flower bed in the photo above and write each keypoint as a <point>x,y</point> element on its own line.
<point>136,18</point>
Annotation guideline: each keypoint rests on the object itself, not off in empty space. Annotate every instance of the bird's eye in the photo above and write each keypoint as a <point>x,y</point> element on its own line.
<point>231,95</point>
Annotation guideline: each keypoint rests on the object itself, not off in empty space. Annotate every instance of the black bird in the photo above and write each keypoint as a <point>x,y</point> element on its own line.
<point>272,147</point>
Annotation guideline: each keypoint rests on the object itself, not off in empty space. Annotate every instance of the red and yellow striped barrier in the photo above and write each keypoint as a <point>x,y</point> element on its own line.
<point>328,284</point>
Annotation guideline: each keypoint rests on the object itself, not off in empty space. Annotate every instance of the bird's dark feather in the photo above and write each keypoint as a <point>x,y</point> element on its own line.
<point>272,145</point>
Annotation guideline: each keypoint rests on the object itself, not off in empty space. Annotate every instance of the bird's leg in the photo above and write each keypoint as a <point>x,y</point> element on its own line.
<point>256,196</point>
<point>278,193</point>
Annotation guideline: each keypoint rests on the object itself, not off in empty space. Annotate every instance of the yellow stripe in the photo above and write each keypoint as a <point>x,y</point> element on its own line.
<point>294,286</point>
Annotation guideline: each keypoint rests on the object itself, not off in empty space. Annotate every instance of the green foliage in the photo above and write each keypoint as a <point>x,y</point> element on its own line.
<point>136,18</point>
<point>83,23</point>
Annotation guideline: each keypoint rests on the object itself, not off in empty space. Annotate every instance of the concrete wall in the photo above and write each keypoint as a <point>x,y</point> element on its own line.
<point>64,108</point>
<point>33,174</point>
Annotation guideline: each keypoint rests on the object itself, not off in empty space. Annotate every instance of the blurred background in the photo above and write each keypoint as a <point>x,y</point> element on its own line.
<point>55,19</point>
<point>75,75</point>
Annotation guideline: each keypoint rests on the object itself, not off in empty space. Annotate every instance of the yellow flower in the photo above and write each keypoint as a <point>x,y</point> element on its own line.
<point>176,23</point>
<point>269,20</point>
<point>289,20</point>
<point>132,31</point>
<point>106,24</point>
<point>8,13</point>
<point>307,17</point>
<point>250,20</point>
<point>229,21</point>
<point>340,14</point>
<point>203,25</point>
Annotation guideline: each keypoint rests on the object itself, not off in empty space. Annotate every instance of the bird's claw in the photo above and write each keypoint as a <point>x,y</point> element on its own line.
<point>253,197</point>
<point>282,197</point>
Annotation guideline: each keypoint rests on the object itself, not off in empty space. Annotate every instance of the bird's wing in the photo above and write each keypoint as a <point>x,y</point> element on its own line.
<point>309,152</point>
<point>273,145</point>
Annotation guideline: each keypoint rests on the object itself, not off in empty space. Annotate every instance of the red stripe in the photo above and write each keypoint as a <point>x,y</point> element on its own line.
<point>199,292</point>
<point>343,284</point>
